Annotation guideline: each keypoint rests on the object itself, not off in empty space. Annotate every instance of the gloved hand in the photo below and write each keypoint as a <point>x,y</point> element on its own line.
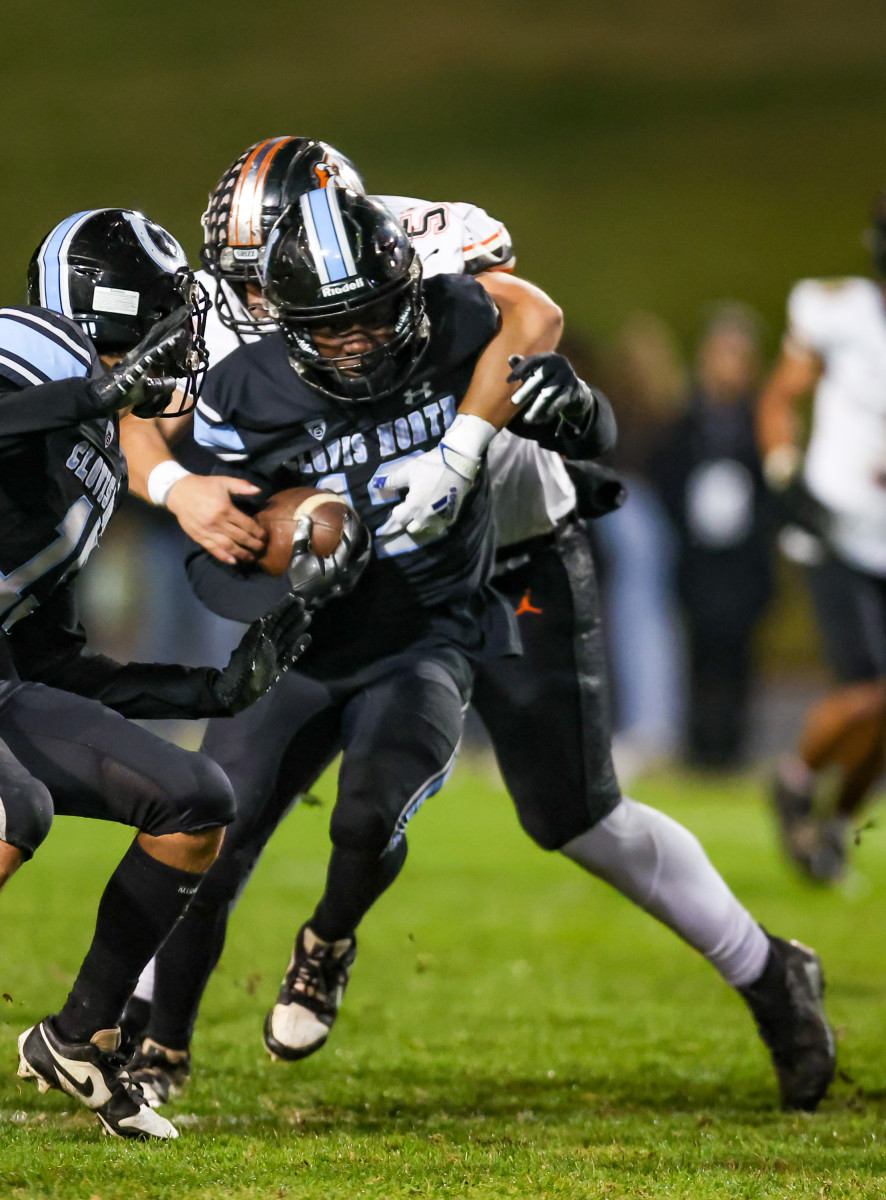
<point>317,579</point>
<point>550,389</point>
<point>436,482</point>
<point>146,377</point>
<point>270,646</point>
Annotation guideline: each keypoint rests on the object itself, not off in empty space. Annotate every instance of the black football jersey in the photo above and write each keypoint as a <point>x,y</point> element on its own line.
<point>62,475</point>
<point>60,478</point>
<point>265,424</point>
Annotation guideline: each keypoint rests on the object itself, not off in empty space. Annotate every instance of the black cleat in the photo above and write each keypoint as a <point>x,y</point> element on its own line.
<point>135,1020</point>
<point>793,809</point>
<point>787,1003</point>
<point>829,856</point>
<point>161,1073</point>
<point>310,995</point>
<point>93,1073</point>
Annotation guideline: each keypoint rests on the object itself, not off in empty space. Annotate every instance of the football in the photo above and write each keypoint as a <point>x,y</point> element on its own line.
<point>279,519</point>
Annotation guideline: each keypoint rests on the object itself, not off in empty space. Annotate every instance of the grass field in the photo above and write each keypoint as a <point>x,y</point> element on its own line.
<point>512,1028</point>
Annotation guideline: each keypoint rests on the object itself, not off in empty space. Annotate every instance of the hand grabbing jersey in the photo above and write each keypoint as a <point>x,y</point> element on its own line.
<point>436,482</point>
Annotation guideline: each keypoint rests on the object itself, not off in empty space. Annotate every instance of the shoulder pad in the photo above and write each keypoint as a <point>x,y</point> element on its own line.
<point>38,346</point>
<point>488,245</point>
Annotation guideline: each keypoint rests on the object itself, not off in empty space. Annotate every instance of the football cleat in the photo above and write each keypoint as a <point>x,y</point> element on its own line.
<point>828,858</point>
<point>797,824</point>
<point>133,1023</point>
<point>787,1003</point>
<point>93,1073</point>
<point>816,847</point>
<point>309,996</point>
<point>161,1073</point>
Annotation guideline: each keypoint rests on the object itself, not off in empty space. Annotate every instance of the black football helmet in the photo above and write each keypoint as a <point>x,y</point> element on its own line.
<point>248,200</point>
<point>117,275</point>
<point>335,260</point>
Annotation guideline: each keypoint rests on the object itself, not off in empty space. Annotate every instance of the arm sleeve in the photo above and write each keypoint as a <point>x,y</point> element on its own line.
<point>50,648</point>
<point>598,436</point>
<point>233,592</point>
<point>44,407</point>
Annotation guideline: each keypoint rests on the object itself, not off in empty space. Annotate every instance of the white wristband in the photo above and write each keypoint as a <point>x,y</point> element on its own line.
<point>464,443</point>
<point>162,478</point>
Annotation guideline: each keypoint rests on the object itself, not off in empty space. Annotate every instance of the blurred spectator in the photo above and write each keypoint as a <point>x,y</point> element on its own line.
<point>709,475</point>
<point>647,385</point>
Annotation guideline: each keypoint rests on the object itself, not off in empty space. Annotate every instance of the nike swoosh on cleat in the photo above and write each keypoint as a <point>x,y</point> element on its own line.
<point>86,1081</point>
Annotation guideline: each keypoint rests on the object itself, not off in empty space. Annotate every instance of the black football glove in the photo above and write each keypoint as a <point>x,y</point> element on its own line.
<point>270,646</point>
<point>550,390</point>
<point>317,579</point>
<point>146,377</point>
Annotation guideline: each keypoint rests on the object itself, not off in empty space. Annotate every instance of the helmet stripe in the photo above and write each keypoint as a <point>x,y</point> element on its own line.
<point>52,263</point>
<point>340,232</point>
<point>244,224</point>
<point>327,239</point>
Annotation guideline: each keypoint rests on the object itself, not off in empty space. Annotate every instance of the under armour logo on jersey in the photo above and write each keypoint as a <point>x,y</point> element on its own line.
<point>415,395</point>
<point>317,429</point>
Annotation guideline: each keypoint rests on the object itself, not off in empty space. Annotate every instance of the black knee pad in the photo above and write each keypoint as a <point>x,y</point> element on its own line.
<point>210,802</point>
<point>195,795</point>
<point>367,809</point>
<point>26,810</point>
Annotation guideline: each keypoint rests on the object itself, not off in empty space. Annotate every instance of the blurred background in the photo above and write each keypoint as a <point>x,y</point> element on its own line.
<point>666,171</point>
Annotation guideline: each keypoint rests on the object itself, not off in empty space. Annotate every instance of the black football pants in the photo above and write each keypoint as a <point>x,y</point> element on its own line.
<point>399,726</point>
<point>547,713</point>
<point>61,753</point>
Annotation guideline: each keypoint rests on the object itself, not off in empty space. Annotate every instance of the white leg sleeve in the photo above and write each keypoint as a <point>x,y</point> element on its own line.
<point>144,989</point>
<point>662,867</point>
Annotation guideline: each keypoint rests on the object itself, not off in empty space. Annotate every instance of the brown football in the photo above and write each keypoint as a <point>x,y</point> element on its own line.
<point>279,519</point>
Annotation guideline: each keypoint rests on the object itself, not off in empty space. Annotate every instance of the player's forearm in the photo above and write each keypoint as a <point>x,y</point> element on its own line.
<point>140,691</point>
<point>146,445</point>
<point>777,423</point>
<point>530,323</point>
<point>46,406</point>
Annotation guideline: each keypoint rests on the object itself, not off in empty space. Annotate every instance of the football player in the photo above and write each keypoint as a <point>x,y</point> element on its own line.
<point>549,707</point>
<point>835,350</point>
<point>114,320</point>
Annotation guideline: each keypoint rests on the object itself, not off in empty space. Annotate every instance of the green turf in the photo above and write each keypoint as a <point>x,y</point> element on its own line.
<point>512,1029</point>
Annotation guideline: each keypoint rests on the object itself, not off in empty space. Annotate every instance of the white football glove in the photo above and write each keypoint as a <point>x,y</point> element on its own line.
<point>436,482</point>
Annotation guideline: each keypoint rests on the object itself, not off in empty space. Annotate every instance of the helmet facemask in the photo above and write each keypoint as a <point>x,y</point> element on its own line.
<point>192,362</point>
<point>397,326</point>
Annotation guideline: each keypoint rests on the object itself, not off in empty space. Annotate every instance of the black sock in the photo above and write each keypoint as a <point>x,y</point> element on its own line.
<point>143,900</point>
<point>354,882</point>
<point>187,959</point>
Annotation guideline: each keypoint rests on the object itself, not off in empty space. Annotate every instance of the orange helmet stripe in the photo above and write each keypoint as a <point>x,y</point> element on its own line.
<point>244,224</point>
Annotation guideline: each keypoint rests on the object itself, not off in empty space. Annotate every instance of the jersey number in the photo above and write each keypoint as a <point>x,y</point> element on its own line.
<point>392,545</point>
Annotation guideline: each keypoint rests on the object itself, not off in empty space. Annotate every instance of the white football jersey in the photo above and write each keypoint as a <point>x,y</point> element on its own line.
<point>843,321</point>
<point>531,489</point>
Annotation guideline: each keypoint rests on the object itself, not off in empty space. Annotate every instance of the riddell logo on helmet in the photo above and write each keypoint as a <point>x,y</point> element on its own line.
<point>338,289</point>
